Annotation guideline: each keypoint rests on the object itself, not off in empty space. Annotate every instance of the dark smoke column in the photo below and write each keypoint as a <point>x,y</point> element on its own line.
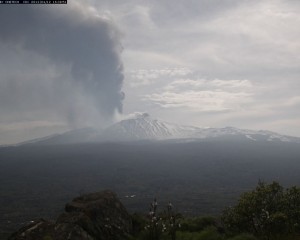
<point>79,40</point>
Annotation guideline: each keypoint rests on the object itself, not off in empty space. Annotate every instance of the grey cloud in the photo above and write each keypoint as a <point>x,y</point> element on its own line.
<point>203,95</point>
<point>143,77</point>
<point>168,12</point>
<point>62,61</point>
<point>254,40</point>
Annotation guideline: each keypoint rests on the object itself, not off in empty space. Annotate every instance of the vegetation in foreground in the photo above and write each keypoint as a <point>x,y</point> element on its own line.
<point>270,212</point>
<point>200,178</point>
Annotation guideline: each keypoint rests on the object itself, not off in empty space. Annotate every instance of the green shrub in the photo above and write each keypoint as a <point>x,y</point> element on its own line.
<point>243,237</point>
<point>209,233</point>
<point>269,211</point>
<point>197,224</point>
<point>47,237</point>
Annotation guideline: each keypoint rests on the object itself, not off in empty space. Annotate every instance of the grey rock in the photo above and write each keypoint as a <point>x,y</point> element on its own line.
<point>95,216</point>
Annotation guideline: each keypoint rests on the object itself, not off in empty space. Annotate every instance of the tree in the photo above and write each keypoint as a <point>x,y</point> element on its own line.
<point>269,212</point>
<point>171,221</point>
<point>154,226</point>
<point>162,225</point>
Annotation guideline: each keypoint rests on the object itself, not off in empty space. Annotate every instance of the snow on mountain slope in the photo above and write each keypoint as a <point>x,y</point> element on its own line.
<point>142,127</point>
<point>242,134</point>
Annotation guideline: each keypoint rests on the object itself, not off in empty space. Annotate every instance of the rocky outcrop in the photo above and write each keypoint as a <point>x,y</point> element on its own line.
<point>95,216</point>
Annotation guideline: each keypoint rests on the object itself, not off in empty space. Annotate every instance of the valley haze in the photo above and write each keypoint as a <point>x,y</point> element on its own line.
<point>200,176</point>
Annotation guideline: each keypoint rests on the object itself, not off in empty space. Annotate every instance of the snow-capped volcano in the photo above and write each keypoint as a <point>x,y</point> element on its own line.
<point>141,126</point>
<point>231,133</point>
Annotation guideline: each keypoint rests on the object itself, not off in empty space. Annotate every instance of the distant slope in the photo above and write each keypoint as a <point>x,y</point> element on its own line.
<point>231,133</point>
<point>143,127</point>
<point>75,136</point>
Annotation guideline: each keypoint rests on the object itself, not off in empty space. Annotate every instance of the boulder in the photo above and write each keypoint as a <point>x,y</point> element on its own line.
<point>95,216</point>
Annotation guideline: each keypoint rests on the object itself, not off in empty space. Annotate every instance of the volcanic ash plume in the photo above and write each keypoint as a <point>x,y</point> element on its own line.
<point>68,60</point>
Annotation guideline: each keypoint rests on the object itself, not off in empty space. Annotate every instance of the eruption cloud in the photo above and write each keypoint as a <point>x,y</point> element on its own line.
<point>59,62</point>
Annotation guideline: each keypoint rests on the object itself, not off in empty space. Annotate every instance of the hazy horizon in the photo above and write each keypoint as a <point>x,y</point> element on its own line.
<point>200,63</point>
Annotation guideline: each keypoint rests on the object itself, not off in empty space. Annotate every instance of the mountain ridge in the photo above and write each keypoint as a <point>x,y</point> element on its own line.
<point>142,127</point>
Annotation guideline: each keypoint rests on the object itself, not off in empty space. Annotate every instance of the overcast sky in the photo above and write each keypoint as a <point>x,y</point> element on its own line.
<point>209,63</point>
